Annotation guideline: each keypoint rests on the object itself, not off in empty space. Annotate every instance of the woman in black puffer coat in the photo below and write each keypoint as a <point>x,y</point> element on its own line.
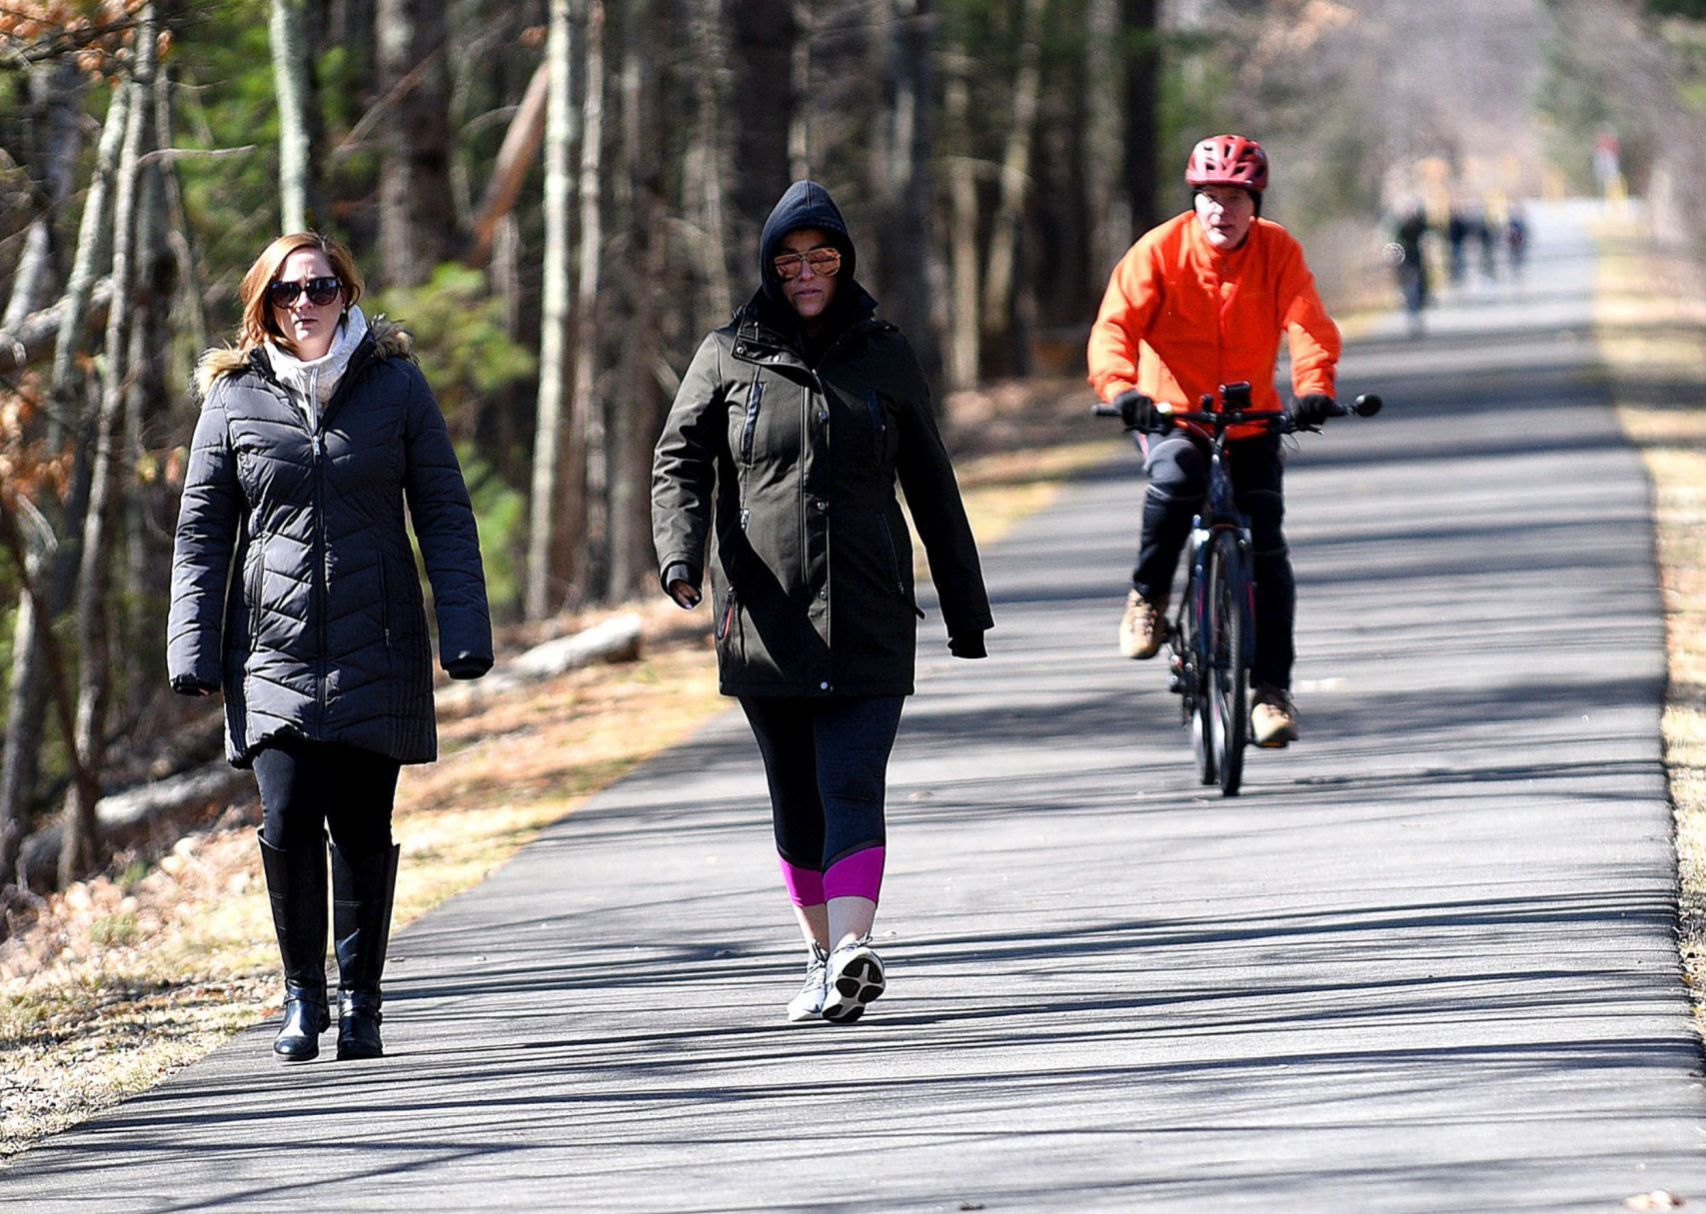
<point>787,437</point>
<point>294,592</point>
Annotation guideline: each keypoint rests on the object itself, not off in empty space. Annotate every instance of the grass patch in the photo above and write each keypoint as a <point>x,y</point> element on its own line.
<point>1650,320</point>
<point>127,977</point>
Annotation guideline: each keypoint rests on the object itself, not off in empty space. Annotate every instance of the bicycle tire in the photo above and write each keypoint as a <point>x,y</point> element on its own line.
<point>1195,690</point>
<point>1228,675</point>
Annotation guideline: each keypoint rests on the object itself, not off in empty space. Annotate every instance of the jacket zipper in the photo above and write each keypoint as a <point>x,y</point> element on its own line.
<point>753,400</point>
<point>257,586</point>
<point>322,585</point>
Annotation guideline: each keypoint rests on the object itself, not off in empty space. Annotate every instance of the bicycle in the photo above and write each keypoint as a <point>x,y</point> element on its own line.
<point>1212,639</point>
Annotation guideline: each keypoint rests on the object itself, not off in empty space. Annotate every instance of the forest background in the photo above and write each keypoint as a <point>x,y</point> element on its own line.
<point>558,198</point>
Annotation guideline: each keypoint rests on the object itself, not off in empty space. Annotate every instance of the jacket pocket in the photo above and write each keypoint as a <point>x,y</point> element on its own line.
<point>879,429</point>
<point>749,430</point>
<point>384,604</point>
<point>894,565</point>
<point>726,618</point>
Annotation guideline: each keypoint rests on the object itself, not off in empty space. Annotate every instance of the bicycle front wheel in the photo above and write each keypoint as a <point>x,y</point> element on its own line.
<point>1228,674</point>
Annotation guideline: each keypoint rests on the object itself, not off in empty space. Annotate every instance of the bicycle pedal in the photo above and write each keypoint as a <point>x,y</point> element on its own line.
<point>1279,744</point>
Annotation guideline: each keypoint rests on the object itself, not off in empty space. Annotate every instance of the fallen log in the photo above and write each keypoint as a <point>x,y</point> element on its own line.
<point>615,640</point>
<point>164,807</point>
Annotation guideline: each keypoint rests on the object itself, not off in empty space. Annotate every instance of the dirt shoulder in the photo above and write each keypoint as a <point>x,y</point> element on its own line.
<point>1650,320</point>
<point>146,968</point>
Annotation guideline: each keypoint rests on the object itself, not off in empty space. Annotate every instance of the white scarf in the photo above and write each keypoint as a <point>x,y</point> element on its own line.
<point>311,384</point>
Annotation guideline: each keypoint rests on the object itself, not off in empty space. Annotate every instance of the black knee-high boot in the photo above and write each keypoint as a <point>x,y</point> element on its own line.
<point>362,889</point>
<point>296,885</point>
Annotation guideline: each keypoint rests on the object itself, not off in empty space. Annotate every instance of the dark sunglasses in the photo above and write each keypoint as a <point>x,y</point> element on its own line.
<point>321,291</point>
<point>824,263</point>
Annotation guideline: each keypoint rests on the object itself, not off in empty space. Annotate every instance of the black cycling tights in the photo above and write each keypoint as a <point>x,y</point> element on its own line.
<point>310,787</point>
<point>1178,482</point>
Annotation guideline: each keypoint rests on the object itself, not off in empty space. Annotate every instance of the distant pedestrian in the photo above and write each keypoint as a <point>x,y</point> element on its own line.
<point>1409,264</point>
<point>786,439</point>
<point>1516,238</point>
<point>294,591</point>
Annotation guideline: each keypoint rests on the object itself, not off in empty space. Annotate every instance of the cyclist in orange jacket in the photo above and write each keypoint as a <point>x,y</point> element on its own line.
<point>1200,301</point>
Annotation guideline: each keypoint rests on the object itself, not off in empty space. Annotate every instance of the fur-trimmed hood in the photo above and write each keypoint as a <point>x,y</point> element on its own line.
<point>390,340</point>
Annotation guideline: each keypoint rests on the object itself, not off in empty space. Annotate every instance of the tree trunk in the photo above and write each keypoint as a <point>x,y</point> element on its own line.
<point>78,851</point>
<point>593,558</point>
<point>638,401</point>
<point>192,285</point>
<point>764,33</point>
<point>799,125</point>
<point>417,212</point>
<point>1106,199</point>
<point>1000,276</point>
<point>515,158</point>
<point>92,236</point>
<point>706,171</point>
<point>549,505</point>
<point>293,83</point>
<point>147,549</point>
<point>44,643</point>
<point>57,91</point>
<point>1142,113</point>
<point>965,335</point>
<point>906,252</point>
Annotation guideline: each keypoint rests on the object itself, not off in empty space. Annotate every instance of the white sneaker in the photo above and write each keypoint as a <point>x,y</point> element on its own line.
<point>855,981</point>
<point>808,1004</point>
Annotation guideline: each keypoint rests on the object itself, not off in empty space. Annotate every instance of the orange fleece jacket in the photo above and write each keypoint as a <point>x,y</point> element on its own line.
<point>1180,318</point>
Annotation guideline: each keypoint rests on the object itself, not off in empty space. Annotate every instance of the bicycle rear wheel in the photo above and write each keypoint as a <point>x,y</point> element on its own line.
<point>1228,675</point>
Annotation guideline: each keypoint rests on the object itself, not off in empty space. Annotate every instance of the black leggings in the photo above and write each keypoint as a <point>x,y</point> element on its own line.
<point>827,764</point>
<point>1178,482</point>
<point>310,787</point>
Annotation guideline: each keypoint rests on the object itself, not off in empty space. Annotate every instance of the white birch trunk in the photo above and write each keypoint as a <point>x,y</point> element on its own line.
<point>545,503</point>
<point>589,413</point>
<point>289,37</point>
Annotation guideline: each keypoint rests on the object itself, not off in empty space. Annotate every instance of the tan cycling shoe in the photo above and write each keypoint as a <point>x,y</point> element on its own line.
<point>1143,627</point>
<point>1273,718</point>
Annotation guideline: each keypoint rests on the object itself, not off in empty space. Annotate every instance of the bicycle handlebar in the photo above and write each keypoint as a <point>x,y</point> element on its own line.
<point>1366,405</point>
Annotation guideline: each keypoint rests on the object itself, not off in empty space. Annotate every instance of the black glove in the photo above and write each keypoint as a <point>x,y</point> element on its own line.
<point>1309,412</point>
<point>1138,412</point>
<point>466,666</point>
<point>967,645</point>
<point>189,685</point>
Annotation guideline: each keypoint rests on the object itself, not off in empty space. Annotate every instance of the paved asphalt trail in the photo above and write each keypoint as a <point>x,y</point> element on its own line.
<point>1424,963</point>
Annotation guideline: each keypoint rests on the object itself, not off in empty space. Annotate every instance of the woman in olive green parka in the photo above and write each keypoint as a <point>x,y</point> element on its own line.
<point>787,437</point>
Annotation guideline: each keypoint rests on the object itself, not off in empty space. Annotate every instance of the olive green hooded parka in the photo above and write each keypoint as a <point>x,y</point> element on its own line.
<point>790,447</point>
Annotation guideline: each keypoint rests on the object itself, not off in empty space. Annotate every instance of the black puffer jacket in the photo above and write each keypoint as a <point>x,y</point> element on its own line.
<point>793,445</point>
<point>293,581</point>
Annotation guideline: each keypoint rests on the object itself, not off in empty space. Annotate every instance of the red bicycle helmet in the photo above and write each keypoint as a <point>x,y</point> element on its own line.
<point>1228,160</point>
